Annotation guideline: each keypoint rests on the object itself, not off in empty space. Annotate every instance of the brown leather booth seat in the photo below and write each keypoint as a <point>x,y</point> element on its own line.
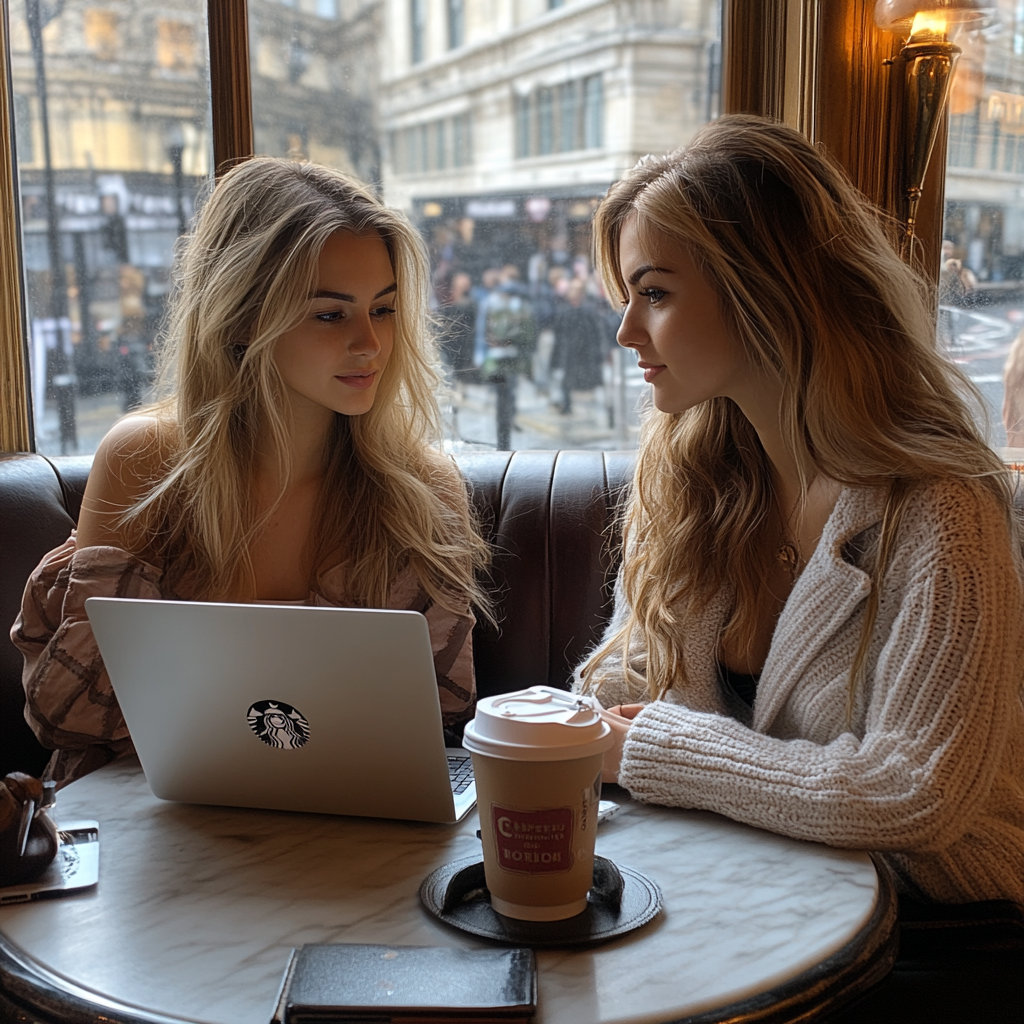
<point>547,515</point>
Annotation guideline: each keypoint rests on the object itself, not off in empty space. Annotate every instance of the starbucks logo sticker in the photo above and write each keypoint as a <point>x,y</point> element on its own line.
<point>278,724</point>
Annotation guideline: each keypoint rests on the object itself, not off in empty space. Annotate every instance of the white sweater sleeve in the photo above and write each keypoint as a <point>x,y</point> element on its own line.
<point>944,693</point>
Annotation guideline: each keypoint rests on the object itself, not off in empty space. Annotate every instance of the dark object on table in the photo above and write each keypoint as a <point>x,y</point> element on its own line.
<point>28,836</point>
<point>620,901</point>
<point>75,868</point>
<point>325,983</point>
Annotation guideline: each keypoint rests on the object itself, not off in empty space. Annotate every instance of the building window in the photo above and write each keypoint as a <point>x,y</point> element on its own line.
<point>439,149</point>
<point>593,112</point>
<point>23,129</point>
<point>299,59</point>
<point>433,146</point>
<point>462,140</point>
<point>545,121</point>
<point>175,45</point>
<point>101,36</point>
<point>553,4</point>
<point>327,9</point>
<point>456,24</point>
<point>568,119</point>
<point>418,26</point>
<point>560,120</point>
<point>524,139</point>
<point>422,163</point>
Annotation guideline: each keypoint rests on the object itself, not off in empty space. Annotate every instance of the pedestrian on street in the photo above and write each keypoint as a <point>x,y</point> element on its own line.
<point>582,342</point>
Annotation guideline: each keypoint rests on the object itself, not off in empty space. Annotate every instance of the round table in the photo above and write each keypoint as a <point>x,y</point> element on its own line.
<point>197,908</point>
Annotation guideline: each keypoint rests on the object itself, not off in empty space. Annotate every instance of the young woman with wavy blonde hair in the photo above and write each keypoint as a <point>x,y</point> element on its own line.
<point>295,456</point>
<point>818,626</point>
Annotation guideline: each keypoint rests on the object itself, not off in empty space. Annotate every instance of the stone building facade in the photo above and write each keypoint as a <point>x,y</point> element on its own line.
<point>505,111</point>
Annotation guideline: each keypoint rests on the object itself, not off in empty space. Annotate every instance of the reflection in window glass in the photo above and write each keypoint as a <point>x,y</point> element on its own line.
<point>498,148</point>
<point>313,82</point>
<point>110,159</point>
<point>981,286</point>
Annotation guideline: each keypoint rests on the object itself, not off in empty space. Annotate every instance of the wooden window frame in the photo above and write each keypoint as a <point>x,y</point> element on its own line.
<point>15,414</point>
<point>790,59</point>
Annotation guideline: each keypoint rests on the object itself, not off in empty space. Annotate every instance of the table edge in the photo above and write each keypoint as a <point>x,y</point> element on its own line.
<point>26,986</point>
<point>834,982</point>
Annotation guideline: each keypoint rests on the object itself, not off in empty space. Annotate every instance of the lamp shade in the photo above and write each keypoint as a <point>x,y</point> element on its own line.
<point>892,15</point>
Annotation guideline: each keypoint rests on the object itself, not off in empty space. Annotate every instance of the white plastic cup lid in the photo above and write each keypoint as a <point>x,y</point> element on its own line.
<point>538,724</point>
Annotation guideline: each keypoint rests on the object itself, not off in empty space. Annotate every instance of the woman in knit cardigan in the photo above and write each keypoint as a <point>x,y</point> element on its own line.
<point>818,626</point>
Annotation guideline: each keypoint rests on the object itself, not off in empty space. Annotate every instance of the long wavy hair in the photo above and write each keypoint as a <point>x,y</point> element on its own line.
<point>809,282</point>
<point>389,497</point>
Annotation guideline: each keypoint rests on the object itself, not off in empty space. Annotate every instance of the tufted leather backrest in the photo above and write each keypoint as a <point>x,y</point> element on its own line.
<point>547,515</point>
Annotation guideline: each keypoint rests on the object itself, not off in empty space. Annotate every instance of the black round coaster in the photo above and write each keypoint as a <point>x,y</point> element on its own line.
<point>621,900</point>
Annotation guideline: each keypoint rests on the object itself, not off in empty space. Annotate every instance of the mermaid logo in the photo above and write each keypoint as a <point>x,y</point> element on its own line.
<point>278,724</point>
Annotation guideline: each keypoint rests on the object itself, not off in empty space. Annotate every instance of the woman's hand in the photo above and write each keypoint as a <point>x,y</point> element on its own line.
<point>619,718</point>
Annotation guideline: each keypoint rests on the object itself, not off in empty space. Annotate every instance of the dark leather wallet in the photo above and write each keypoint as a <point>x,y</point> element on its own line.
<point>408,984</point>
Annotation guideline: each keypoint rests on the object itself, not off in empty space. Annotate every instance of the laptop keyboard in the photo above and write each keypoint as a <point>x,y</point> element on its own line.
<point>460,772</point>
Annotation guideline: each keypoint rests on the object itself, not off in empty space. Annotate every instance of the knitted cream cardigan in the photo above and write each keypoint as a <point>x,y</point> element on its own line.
<point>931,774</point>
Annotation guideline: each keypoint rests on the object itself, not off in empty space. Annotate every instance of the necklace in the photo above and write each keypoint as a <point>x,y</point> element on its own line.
<point>788,554</point>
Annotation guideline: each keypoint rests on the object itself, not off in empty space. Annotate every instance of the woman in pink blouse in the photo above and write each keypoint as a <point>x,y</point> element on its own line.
<point>294,458</point>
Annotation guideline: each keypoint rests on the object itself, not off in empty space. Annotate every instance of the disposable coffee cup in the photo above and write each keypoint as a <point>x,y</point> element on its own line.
<point>537,757</point>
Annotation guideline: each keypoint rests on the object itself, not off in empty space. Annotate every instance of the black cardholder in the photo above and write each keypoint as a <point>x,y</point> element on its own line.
<point>324,984</point>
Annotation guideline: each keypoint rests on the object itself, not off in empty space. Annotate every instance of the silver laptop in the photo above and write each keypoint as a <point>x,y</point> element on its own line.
<point>332,710</point>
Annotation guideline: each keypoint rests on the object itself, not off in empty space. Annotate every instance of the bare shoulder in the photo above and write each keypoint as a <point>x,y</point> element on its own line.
<point>129,460</point>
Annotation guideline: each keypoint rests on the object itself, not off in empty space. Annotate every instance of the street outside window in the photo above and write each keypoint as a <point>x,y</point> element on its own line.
<point>497,128</point>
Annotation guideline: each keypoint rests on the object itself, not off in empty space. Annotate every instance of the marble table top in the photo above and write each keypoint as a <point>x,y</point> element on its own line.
<point>197,907</point>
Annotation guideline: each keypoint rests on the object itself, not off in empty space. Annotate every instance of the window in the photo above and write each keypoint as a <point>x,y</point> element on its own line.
<point>556,121</point>
<point>456,26</point>
<point>417,20</point>
<point>497,151</point>
<point>313,83</point>
<point>567,120</point>
<point>981,287</point>
<point>25,144</point>
<point>438,150</point>
<point>462,140</point>
<point>110,159</point>
<point>175,45</point>
<point>524,133</point>
<point>593,112</point>
<point>99,27</point>
<point>545,121</point>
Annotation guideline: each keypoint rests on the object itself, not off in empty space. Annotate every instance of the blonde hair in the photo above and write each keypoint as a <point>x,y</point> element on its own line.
<point>389,497</point>
<point>809,283</point>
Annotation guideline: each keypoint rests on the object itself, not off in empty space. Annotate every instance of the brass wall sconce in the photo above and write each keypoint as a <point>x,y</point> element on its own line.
<point>926,62</point>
